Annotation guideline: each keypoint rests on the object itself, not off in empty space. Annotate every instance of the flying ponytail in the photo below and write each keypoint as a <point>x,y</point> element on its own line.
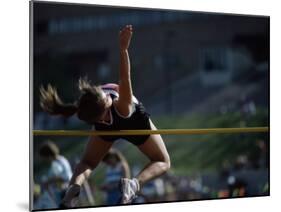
<point>51,102</point>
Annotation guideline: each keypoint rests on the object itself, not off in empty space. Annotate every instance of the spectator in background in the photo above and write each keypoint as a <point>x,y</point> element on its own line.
<point>259,156</point>
<point>117,168</point>
<point>247,106</point>
<point>58,174</point>
<point>42,198</point>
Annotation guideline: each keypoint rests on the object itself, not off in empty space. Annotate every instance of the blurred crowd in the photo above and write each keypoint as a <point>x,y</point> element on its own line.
<point>247,175</point>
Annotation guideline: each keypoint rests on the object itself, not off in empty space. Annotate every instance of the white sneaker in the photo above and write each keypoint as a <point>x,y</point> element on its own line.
<point>130,187</point>
<point>71,197</point>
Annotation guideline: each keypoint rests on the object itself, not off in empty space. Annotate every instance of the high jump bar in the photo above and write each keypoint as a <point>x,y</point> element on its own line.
<point>149,132</point>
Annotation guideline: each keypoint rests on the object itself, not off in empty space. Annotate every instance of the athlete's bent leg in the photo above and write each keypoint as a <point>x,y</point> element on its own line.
<point>95,150</point>
<point>155,149</point>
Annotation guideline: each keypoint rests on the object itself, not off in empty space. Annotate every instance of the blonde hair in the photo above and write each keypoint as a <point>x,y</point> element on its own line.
<point>88,108</point>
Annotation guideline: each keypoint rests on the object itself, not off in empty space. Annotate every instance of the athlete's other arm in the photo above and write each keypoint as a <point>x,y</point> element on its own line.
<point>125,100</point>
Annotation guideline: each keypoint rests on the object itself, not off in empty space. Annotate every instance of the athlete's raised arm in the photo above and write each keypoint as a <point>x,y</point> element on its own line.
<point>124,103</point>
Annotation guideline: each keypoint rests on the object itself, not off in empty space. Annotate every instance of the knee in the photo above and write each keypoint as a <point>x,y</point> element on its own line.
<point>166,164</point>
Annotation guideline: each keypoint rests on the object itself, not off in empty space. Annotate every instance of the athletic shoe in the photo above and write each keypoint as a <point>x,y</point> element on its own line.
<point>130,187</point>
<point>71,197</point>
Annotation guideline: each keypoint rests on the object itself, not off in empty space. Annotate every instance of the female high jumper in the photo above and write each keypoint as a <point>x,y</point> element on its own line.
<point>110,107</point>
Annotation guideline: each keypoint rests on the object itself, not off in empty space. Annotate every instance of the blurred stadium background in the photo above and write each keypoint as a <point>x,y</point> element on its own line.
<point>190,69</point>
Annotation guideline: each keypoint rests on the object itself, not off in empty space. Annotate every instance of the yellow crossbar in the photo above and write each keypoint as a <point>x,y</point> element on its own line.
<point>148,132</point>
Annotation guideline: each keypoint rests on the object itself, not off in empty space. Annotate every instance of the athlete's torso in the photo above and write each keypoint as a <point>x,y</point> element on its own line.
<point>138,119</point>
<point>118,121</point>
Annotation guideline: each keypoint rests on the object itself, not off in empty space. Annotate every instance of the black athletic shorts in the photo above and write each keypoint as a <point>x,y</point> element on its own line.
<point>139,120</point>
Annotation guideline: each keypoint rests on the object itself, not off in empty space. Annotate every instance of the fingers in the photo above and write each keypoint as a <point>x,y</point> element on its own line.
<point>129,28</point>
<point>126,29</point>
<point>125,36</point>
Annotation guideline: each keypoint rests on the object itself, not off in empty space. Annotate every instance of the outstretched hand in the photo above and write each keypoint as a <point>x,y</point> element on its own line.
<point>125,36</point>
